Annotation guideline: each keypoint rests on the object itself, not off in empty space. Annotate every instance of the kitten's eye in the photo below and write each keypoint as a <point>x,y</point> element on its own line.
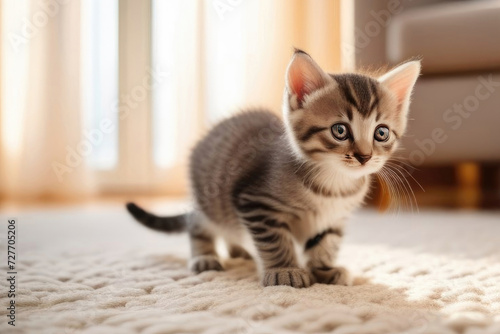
<point>382,133</point>
<point>340,131</point>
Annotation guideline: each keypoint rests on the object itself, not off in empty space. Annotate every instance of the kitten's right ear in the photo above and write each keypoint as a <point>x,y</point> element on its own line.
<point>303,75</point>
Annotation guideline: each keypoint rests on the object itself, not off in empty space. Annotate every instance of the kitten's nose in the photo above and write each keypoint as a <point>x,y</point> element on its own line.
<point>362,158</point>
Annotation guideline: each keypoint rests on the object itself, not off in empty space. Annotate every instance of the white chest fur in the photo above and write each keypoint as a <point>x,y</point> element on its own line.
<point>329,212</point>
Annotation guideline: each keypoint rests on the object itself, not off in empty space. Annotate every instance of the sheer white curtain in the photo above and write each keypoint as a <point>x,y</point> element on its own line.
<point>225,55</point>
<point>41,120</point>
<point>249,44</point>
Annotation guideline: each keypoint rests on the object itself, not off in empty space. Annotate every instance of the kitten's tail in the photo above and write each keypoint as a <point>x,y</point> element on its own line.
<point>166,224</point>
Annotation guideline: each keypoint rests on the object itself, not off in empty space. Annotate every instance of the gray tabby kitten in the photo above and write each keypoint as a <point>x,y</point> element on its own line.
<point>282,191</point>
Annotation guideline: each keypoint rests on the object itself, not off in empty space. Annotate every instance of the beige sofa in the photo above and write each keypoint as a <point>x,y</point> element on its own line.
<point>455,113</point>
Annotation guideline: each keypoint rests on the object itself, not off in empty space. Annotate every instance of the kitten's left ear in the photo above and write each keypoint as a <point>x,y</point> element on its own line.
<point>400,82</point>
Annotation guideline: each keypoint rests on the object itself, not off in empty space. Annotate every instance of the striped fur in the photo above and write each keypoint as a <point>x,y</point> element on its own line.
<point>266,186</point>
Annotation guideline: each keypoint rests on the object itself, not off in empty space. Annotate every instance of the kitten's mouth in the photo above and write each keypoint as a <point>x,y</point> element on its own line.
<point>353,164</point>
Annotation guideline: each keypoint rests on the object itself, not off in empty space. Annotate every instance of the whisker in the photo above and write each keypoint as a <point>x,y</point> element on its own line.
<point>385,188</point>
<point>409,174</point>
<point>402,187</point>
<point>392,191</point>
<point>403,201</point>
<point>406,185</point>
<point>398,159</point>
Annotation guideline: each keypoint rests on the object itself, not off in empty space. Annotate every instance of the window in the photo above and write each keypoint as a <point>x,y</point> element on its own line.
<point>165,18</point>
<point>99,75</point>
<point>139,62</point>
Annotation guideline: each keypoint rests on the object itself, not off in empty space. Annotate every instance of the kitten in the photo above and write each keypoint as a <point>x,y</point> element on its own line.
<point>283,190</point>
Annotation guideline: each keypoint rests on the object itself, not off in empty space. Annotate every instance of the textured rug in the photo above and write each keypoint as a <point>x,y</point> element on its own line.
<point>94,270</point>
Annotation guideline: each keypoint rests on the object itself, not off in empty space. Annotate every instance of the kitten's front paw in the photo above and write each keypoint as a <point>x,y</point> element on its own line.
<point>205,262</point>
<point>332,275</point>
<point>294,277</point>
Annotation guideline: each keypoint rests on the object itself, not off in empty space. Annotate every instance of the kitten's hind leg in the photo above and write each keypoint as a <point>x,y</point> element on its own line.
<point>203,253</point>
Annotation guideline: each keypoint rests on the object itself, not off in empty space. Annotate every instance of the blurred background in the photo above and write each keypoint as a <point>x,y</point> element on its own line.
<point>102,100</point>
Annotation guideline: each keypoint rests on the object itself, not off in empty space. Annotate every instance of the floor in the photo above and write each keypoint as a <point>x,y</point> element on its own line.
<point>91,269</point>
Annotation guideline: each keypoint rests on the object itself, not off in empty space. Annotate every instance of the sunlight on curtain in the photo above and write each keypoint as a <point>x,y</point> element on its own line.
<point>14,69</point>
<point>15,55</point>
<point>248,45</point>
<point>165,18</point>
<point>43,151</point>
<point>225,60</point>
<point>176,101</point>
<point>215,58</point>
<point>99,77</point>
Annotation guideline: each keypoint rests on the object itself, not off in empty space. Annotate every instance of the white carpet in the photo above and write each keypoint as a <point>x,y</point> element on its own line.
<point>97,271</point>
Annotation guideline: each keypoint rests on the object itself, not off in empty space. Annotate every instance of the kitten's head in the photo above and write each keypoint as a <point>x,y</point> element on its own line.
<point>351,121</point>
